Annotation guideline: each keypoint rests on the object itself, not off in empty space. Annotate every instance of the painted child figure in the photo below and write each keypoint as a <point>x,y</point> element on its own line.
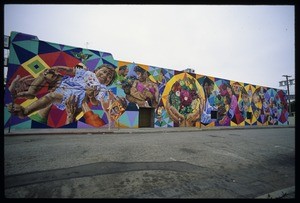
<point>78,81</point>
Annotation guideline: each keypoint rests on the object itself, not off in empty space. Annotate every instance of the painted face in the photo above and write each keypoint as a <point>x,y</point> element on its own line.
<point>255,98</point>
<point>117,109</point>
<point>141,76</point>
<point>245,97</point>
<point>104,75</point>
<point>236,89</point>
<point>229,90</point>
<point>123,72</point>
<point>206,87</point>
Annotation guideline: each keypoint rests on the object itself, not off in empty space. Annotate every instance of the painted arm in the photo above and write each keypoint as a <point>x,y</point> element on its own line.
<point>71,104</point>
<point>135,93</point>
<point>91,118</point>
<point>68,70</point>
<point>173,113</point>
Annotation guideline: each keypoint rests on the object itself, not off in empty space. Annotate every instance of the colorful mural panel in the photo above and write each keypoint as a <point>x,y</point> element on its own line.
<point>58,86</point>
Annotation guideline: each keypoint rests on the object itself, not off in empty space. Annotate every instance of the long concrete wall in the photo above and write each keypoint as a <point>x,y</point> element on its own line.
<point>41,94</point>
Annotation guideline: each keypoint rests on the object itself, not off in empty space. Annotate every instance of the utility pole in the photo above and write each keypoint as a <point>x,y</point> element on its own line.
<point>288,90</point>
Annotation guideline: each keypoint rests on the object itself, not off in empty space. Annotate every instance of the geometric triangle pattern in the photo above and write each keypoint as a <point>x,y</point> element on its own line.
<point>13,57</point>
<point>129,119</point>
<point>22,125</point>
<point>18,36</point>
<point>163,120</point>
<point>45,47</point>
<point>57,117</point>
<point>25,56</point>
<point>24,44</point>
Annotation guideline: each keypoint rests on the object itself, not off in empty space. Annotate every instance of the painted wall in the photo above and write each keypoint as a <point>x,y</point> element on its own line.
<point>52,85</point>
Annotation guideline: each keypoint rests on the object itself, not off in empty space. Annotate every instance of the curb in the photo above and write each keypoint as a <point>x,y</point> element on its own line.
<point>280,194</point>
<point>70,131</point>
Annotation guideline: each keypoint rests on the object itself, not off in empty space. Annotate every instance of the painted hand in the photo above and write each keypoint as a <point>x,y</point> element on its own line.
<point>20,84</point>
<point>71,107</point>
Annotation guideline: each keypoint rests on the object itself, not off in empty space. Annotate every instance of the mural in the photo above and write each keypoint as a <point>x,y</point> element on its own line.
<point>58,86</point>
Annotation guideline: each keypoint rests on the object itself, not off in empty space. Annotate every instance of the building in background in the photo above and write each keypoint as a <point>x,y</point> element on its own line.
<point>38,95</point>
<point>6,54</point>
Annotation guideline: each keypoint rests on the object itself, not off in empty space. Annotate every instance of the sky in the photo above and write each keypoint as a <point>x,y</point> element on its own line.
<point>246,43</point>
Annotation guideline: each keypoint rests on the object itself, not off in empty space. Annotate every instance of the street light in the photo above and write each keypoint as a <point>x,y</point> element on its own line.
<point>288,89</point>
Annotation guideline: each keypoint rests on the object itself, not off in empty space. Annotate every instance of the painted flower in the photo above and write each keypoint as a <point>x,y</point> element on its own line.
<point>185,98</point>
<point>194,94</point>
<point>182,95</point>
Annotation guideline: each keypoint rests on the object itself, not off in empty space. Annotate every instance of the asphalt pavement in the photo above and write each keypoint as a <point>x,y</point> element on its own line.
<point>284,193</point>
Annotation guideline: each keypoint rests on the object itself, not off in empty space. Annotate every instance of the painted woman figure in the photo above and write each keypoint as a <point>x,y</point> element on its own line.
<point>273,118</point>
<point>208,86</point>
<point>244,103</point>
<point>233,113</point>
<point>142,90</point>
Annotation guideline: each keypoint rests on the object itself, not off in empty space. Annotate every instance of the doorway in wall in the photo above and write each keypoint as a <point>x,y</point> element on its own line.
<point>146,117</point>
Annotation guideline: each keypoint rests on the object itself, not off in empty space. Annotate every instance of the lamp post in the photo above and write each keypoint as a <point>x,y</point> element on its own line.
<point>288,89</point>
